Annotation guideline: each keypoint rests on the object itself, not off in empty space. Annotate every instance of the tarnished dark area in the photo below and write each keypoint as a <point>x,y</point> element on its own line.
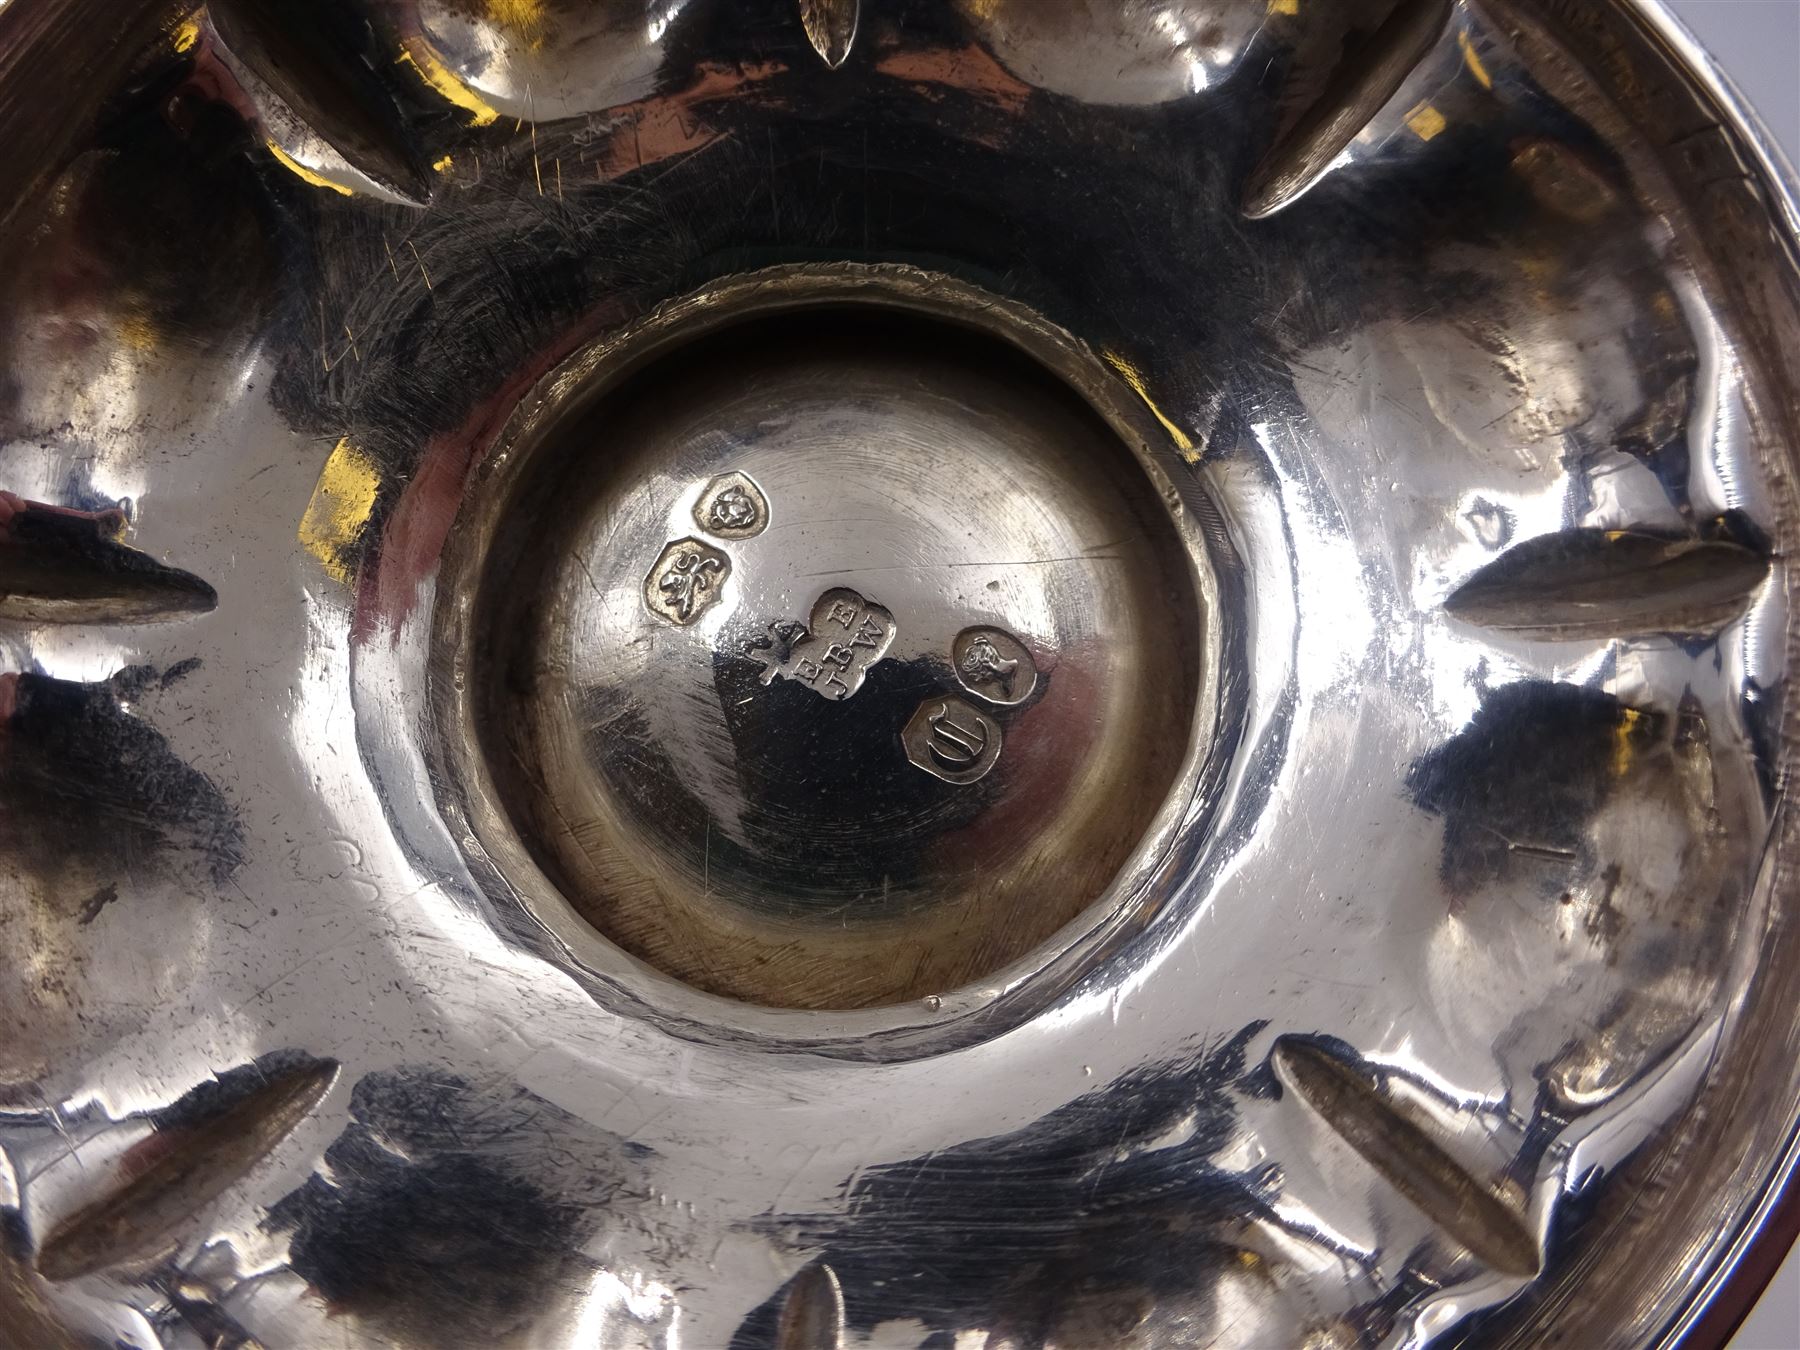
<point>447,1204</point>
<point>1069,1231</point>
<point>1522,780</point>
<point>79,764</point>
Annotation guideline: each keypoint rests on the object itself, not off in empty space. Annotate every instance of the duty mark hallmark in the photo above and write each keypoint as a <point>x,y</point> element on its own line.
<point>994,665</point>
<point>952,740</point>
<point>831,653</point>
<point>686,581</point>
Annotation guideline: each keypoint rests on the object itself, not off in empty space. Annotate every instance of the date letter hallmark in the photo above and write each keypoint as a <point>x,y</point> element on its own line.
<point>952,740</point>
<point>831,653</point>
<point>686,581</point>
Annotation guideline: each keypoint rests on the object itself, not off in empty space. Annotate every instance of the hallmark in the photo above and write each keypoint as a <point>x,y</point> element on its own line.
<point>831,653</point>
<point>732,506</point>
<point>686,581</point>
<point>994,665</point>
<point>952,740</point>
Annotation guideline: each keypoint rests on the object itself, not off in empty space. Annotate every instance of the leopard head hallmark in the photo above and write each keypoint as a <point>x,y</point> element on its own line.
<point>732,506</point>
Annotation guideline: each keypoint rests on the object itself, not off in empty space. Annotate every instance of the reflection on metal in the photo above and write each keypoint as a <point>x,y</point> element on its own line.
<point>64,566</point>
<point>341,502</point>
<point>1368,74</point>
<point>308,52</point>
<point>1416,1165</point>
<point>300,171</point>
<point>28,1311</point>
<point>859,716</point>
<point>1134,55</point>
<point>190,1166</point>
<point>732,803</point>
<point>419,55</point>
<point>830,27</point>
<point>1606,583</point>
<point>812,1311</point>
<point>1133,377</point>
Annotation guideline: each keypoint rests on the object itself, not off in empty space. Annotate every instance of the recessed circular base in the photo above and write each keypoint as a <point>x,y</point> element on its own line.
<point>835,659</point>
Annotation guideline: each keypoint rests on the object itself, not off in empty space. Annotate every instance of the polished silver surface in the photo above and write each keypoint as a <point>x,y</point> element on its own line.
<point>960,673</point>
<point>722,779</point>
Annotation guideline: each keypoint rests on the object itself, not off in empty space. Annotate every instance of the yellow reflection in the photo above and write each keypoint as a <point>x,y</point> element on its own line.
<point>1624,752</point>
<point>1183,442</point>
<point>1426,121</point>
<point>300,170</point>
<point>137,330</point>
<point>419,55</point>
<point>1472,59</point>
<point>523,18</point>
<point>516,13</point>
<point>341,503</point>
